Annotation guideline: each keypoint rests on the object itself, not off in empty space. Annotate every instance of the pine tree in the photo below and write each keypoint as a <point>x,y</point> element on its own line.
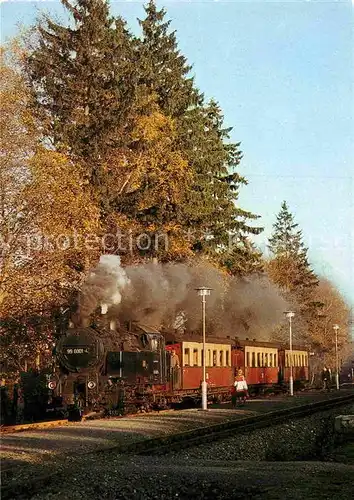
<point>242,259</point>
<point>83,81</point>
<point>210,214</point>
<point>290,257</point>
<point>163,69</point>
<point>211,203</point>
<point>290,270</point>
<point>96,86</point>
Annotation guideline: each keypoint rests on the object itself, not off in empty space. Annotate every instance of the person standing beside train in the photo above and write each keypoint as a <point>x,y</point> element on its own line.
<point>326,378</point>
<point>240,389</point>
<point>175,370</point>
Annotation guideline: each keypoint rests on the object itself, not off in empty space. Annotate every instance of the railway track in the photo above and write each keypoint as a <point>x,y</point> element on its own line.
<point>183,440</point>
<point>179,441</point>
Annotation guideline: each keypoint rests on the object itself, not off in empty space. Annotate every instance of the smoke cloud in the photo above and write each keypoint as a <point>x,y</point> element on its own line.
<point>164,295</point>
<point>104,285</point>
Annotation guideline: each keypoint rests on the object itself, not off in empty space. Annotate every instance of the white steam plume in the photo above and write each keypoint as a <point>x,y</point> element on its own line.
<point>104,285</point>
<point>158,294</point>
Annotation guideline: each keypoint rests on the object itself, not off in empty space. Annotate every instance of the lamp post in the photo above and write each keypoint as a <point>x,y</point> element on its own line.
<point>290,315</point>
<point>336,328</point>
<point>203,292</point>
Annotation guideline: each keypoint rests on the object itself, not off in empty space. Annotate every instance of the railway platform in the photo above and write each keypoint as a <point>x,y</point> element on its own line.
<point>43,446</point>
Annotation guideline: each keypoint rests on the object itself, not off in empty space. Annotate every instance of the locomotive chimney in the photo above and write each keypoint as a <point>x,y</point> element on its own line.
<point>104,308</point>
<point>112,324</point>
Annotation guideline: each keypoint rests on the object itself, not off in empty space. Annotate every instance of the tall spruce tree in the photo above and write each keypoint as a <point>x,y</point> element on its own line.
<point>86,86</point>
<point>211,204</point>
<point>83,80</point>
<point>95,85</point>
<point>163,69</point>
<point>210,213</point>
<point>290,257</point>
<point>290,270</point>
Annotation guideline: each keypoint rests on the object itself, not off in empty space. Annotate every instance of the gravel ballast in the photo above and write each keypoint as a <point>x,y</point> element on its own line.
<point>191,472</point>
<point>299,439</point>
<point>145,478</point>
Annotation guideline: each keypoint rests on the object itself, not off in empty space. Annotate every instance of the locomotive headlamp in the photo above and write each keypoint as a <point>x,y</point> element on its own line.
<point>203,291</point>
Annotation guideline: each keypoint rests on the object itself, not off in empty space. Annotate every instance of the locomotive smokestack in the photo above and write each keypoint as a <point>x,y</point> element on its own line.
<point>104,308</point>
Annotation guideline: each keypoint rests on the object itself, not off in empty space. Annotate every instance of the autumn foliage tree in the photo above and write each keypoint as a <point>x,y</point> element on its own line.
<point>158,157</point>
<point>334,311</point>
<point>317,303</point>
<point>289,268</point>
<point>44,203</point>
<point>211,216</point>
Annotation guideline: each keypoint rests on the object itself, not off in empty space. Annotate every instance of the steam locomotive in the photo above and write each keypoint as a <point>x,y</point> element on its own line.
<point>100,367</point>
<point>134,366</point>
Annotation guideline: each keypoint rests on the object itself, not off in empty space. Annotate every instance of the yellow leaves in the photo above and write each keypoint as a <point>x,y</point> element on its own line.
<point>46,211</point>
<point>161,173</point>
<point>333,311</point>
<point>154,128</point>
<point>57,197</point>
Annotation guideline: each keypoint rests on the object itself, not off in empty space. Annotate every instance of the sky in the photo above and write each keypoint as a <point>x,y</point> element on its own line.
<point>282,73</point>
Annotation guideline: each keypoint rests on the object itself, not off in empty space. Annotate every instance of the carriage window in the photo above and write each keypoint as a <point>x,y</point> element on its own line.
<point>266,359</point>
<point>270,359</point>
<point>262,359</point>
<point>247,359</point>
<point>214,358</point>
<point>227,358</point>
<point>258,359</point>
<point>186,357</point>
<point>253,363</point>
<point>287,360</point>
<point>195,357</point>
<point>221,358</point>
<point>275,359</point>
<point>202,358</point>
<point>209,358</point>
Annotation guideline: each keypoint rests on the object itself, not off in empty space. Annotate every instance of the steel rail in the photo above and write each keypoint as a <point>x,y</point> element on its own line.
<point>182,440</point>
<point>195,437</point>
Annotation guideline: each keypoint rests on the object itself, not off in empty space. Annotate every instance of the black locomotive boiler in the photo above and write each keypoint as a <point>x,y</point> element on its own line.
<point>100,367</point>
